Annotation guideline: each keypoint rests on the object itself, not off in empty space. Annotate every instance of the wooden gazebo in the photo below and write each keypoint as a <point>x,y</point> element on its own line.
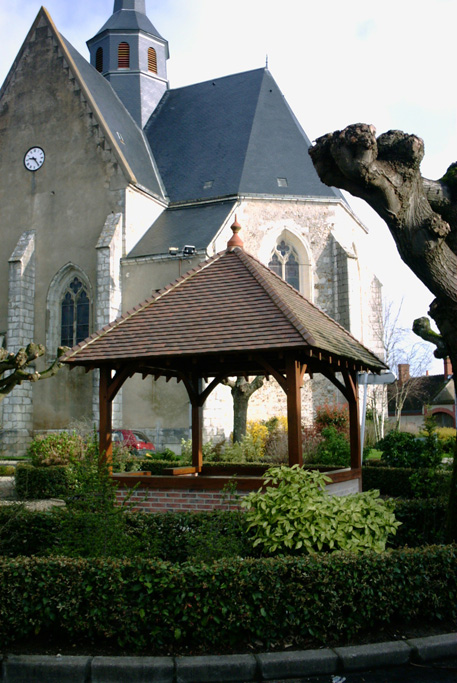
<point>227,317</point>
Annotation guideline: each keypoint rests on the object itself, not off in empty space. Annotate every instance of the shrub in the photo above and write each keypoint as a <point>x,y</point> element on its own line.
<point>276,444</point>
<point>296,514</point>
<point>56,449</point>
<point>446,436</point>
<point>400,481</point>
<point>401,449</point>
<point>41,482</point>
<point>422,523</point>
<point>333,416</point>
<point>150,605</point>
<point>334,449</point>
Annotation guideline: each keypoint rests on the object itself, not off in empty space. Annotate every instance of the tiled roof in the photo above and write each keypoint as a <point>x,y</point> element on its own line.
<point>231,304</point>
<point>420,391</point>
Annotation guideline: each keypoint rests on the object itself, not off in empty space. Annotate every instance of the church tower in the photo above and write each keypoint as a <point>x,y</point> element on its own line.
<point>132,55</point>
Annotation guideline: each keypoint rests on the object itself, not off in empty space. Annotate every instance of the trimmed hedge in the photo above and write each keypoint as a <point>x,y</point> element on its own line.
<point>422,523</point>
<point>395,481</point>
<point>179,536</point>
<point>147,604</point>
<point>40,482</point>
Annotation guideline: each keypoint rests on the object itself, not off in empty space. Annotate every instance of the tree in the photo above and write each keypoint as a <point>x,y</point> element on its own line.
<point>421,215</point>
<point>242,391</point>
<point>14,368</point>
<point>398,351</point>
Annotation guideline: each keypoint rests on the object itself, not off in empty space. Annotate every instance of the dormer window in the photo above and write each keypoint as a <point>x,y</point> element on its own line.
<point>99,59</point>
<point>123,56</point>
<point>152,60</point>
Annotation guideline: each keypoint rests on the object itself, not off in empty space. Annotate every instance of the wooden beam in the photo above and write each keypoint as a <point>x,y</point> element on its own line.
<point>294,378</point>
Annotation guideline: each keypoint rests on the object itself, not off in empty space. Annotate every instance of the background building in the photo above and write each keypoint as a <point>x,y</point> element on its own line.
<point>113,185</point>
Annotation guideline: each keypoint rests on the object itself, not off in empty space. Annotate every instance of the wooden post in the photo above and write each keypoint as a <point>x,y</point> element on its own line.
<point>197,435</point>
<point>105,403</point>
<point>354,423</point>
<point>294,380</point>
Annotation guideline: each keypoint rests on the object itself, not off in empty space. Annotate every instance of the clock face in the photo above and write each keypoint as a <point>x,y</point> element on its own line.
<point>34,159</point>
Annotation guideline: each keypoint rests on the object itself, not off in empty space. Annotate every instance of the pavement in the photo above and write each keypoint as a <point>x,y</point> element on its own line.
<point>335,665</point>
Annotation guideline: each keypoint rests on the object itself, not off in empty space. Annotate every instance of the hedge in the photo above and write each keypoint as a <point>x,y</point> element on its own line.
<point>179,536</point>
<point>152,605</point>
<point>395,481</point>
<point>40,482</point>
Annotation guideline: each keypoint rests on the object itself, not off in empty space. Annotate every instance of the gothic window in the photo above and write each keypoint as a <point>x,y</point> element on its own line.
<point>285,263</point>
<point>123,56</point>
<point>74,307</point>
<point>152,60</point>
<point>99,59</point>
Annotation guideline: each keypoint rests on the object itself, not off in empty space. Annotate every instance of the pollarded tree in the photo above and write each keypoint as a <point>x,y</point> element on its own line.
<point>15,368</point>
<point>242,390</point>
<point>421,215</point>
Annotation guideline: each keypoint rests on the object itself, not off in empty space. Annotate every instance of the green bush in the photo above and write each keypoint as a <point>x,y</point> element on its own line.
<point>401,482</point>
<point>149,605</point>
<point>401,449</point>
<point>297,514</point>
<point>56,449</point>
<point>422,523</point>
<point>41,482</point>
<point>334,449</point>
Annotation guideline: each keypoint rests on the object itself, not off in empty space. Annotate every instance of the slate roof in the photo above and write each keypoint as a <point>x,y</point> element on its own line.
<point>423,391</point>
<point>236,133</point>
<point>126,132</point>
<point>196,225</point>
<point>230,304</point>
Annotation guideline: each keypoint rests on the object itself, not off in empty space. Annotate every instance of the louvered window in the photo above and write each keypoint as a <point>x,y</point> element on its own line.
<point>123,56</point>
<point>74,326</point>
<point>152,60</point>
<point>99,59</point>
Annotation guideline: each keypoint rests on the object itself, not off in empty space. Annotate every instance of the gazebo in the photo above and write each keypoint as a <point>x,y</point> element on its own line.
<point>229,316</point>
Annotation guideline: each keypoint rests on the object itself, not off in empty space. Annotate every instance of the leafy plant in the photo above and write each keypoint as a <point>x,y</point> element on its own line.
<point>402,449</point>
<point>56,449</point>
<point>295,513</point>
<point>333,416</point>
<point>334,449</point>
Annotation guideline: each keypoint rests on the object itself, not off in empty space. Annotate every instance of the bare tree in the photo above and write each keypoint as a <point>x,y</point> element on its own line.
<point>421,215</point>
<point>242,390</point>
<point>15,368</point>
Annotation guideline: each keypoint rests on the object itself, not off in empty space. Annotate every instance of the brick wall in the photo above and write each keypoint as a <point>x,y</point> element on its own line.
<point>167,500</point>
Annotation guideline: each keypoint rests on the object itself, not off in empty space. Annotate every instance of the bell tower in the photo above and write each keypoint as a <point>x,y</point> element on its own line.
<point>132,55</point>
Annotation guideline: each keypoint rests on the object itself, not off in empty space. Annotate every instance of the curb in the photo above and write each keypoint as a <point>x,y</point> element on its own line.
<point>269,666</point>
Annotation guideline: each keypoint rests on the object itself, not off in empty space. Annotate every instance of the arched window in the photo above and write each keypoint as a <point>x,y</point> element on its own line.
<point>443,419</point>
<point>99,59</point>
<point>152,60</point>
<point>74,307</point>
<point>284,262</point>
<point>123,56</point>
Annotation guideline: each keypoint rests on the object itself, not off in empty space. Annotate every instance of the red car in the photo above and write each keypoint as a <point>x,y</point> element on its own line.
<point>136,442</point>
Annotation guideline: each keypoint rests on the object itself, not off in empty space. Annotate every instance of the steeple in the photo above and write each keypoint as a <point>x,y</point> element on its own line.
<point>132,55</point>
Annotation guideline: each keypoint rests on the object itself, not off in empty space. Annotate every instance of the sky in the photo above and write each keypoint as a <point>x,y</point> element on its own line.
<point>389,63</point>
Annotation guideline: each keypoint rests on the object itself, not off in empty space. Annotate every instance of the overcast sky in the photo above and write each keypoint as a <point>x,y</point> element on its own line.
<point>387,63</point>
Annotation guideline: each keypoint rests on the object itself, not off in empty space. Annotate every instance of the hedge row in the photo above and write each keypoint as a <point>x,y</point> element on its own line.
<point>396,481</point>
<point>176,536</point>
<point>151,605</point>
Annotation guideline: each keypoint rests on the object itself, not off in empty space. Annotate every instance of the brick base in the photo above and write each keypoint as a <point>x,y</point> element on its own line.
<point>167,500</point>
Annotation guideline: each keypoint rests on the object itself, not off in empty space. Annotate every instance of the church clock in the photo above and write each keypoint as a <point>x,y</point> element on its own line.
<point>34,159</point>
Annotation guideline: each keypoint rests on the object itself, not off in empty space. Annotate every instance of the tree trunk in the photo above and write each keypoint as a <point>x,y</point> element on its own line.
<point>242,391</point>
<point>421,215</point>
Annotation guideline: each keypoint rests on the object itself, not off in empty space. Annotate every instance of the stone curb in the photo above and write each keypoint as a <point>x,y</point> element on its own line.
<point>269,666</point>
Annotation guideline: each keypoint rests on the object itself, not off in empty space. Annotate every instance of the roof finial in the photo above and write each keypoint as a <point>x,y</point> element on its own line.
<point>235,240</point>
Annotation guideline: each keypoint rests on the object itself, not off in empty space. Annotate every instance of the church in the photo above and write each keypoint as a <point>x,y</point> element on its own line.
<point>114,184</point>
